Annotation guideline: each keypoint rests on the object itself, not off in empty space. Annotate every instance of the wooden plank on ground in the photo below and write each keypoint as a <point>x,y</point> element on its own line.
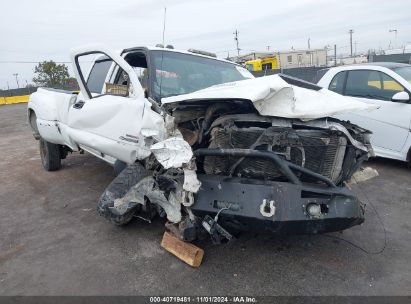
<point>187,252</point>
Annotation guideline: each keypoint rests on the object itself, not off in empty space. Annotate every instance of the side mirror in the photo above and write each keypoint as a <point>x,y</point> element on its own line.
<point>401,97</point>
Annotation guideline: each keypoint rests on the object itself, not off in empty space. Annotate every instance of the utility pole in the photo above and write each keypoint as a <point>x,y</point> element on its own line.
<point>164,24</point>
<point>27,86</point>
<point>335,55</point>
<point>351,32</point>
<point>279,61</point>
<point>236,40</point>
<point>17,81</point>
<point>395,41</point>
<point>309,46</point>
<point>268,47</point>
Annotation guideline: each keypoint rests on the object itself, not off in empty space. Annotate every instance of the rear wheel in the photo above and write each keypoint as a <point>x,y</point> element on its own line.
<point>50,155</point>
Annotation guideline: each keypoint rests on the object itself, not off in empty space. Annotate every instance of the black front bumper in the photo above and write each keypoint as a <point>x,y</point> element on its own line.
<point>340,209</point>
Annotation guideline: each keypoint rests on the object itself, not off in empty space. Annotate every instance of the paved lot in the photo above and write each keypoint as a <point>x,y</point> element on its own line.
<point>52,242</point>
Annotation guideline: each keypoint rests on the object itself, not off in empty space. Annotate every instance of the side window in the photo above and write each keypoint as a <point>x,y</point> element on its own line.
<point>142,75</point>
<point>337,84</point>
<point>374,80</point>
<point>372,85</point>
<point>96,83</point>
<point>138,61</point>
<point>363,83</point>
<point>98,74</point>
<point>118,85</point>
<point>390,87</point>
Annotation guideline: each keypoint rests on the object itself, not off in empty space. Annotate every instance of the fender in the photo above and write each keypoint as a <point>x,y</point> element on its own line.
<point>51,109</point>
<point>51,104</point>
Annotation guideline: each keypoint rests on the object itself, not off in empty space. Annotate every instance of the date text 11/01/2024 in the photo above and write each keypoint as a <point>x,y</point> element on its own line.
<point>203,299</point>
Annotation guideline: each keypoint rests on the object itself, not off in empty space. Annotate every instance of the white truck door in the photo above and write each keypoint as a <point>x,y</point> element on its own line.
<point>108,123</point>
<point>390,123</point>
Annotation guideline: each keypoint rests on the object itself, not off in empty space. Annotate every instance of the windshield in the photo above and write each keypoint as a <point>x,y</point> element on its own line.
<point>179,73</point>
<point>404,72</point>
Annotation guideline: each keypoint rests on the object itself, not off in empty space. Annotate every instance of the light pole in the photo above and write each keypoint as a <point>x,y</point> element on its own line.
<point>335,55</point>
<point>395,40</point>
<point>351,32</point>
<point>17,81</point>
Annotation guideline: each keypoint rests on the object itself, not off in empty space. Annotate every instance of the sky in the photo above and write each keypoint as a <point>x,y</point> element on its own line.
<point>37,30</point>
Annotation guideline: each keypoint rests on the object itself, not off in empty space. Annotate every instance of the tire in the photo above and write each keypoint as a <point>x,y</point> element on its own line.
<point>50,155</point>
<point>33,124</point>
<point>119,166</point>
<point>127,178</point>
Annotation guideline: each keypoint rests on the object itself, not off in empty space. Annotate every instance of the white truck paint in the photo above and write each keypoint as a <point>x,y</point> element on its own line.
<point>273,96</point>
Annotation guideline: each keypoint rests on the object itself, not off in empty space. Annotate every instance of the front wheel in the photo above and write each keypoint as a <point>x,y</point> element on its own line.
<point>50,155</point>
<point>119,186</point>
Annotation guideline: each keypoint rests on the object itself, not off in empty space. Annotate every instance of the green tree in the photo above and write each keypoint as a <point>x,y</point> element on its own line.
<point>51,74</point>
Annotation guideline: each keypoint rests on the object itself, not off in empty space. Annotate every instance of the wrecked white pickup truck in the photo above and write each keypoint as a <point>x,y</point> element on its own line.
<point>201,142</point>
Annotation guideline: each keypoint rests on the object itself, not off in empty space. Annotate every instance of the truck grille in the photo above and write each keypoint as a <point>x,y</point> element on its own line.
<point>319,151</point>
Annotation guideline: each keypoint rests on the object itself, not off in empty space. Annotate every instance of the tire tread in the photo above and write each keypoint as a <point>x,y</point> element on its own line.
<point>127,178</point>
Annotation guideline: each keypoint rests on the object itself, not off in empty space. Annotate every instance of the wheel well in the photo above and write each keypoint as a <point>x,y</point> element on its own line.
<point>33,124</point>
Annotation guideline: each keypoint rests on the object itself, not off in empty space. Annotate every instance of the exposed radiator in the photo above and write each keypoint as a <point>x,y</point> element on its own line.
<point>320,151</point>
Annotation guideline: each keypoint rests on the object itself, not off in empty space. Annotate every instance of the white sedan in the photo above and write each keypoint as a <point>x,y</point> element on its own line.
<point>387,85</point>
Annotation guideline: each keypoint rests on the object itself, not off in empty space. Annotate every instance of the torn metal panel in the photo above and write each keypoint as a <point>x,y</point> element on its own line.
<point>147,188</point>
<point>172,152</point>
<point>273,96</point>
<point>151,133</point>
<point>325,124</point>
<point>170,126</point>
<point>191,182</point>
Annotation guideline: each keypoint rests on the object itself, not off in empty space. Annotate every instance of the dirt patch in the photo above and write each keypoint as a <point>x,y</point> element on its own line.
<point>8,254</point>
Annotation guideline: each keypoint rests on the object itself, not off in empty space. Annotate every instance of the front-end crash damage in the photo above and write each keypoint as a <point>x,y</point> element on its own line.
<point>250,156</point>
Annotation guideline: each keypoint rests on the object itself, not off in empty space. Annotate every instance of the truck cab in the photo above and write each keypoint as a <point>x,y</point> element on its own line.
<point>161,72</point>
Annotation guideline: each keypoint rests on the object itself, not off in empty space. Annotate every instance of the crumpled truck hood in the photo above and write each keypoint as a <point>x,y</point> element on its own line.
<point>274,96</point>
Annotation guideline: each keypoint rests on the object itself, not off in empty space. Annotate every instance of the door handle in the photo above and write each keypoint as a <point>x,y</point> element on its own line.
<point>79,104</point>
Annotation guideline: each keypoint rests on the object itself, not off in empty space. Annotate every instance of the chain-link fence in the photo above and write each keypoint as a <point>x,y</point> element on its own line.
<point>16,95</point>
<point>400,58</point>
<point>18,92</point>
<point>306,73</point>
<point>22,94</point>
